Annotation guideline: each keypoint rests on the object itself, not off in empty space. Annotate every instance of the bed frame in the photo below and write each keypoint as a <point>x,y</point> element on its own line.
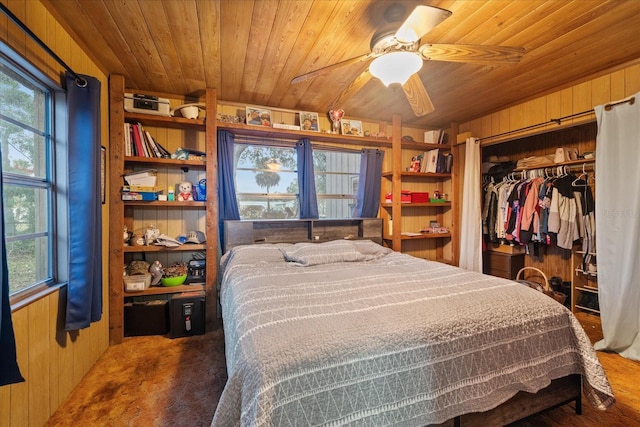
<point>300,230</point>
<point>560,392</point>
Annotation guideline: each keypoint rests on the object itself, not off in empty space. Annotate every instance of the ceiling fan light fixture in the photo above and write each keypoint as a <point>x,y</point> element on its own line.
<point>395,67</point>
<point>273,164</point>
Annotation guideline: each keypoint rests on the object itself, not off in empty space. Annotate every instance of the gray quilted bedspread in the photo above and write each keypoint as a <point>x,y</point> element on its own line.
<point>346,333</point>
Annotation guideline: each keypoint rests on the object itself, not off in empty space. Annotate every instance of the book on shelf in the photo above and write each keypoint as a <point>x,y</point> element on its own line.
<point>139,142</point>
<point>431,161</point>
<point>145,177</point>
<point>436,136</point>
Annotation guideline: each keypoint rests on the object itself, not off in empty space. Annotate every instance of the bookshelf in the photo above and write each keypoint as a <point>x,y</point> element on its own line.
<point>409,219</point>
<point>171,217</point>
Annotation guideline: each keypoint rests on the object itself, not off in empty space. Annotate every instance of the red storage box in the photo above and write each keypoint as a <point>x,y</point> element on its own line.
<point>405,197</point>
<point>419,197</point>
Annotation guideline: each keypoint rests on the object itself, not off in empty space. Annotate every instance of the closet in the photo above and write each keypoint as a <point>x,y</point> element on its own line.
<point>568,253</point>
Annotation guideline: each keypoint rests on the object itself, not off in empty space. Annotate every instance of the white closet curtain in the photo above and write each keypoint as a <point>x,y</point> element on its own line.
<point>618,226</point>
<point>471,227</point>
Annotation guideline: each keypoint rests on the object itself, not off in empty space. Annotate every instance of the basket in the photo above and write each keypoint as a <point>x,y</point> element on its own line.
<point>541,287</point>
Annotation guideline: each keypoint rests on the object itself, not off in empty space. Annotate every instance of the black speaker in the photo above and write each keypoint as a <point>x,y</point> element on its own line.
<point>187,314</point>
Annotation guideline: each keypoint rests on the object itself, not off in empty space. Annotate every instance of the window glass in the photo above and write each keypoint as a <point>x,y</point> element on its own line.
<point>266,182</point>
<point>23,113</point>
<point>25,123</point>
<point>336,175</point>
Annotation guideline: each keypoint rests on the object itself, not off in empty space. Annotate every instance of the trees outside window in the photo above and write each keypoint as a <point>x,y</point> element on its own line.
<point>267,181</point>
<point>27,173</point>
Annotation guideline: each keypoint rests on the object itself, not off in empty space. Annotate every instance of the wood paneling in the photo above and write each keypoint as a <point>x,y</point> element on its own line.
<point>51,360</point>
<point>250,50</point>
<point>581,97</point>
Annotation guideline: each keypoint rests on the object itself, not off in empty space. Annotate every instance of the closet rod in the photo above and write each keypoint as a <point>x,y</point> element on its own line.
<point>568,168</point>
<point>81,82</point>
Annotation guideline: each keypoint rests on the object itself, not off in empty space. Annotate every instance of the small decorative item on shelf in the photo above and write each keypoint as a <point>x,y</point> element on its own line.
<point>436,197</point>
<point>351,127</point>
<point>185,191</point>
<point>188,111</point>
<point>151,234</point>
<point>336,116</point>
<point>200,191</point>
<point>156,272</point>
<point>174,275</point>
<point>126,235</point>
<point>435,228</point>
<point>308,121</point>
<point>415,164</point>
<point>258,117</point>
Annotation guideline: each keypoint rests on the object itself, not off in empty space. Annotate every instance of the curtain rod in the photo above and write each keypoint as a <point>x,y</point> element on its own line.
<point>559,120</point>
<point>81,82</point>
<point>281,142</point>
<point>609,106</point>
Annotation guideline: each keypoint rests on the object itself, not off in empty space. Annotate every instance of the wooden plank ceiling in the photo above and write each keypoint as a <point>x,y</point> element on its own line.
<point>249,50</point>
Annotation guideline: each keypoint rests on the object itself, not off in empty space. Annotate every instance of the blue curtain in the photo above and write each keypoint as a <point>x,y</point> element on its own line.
<point>9,371</point>
<point>227,202</point>
<point>306,180</point>
<point>369,184</point>
<point>84,291</point>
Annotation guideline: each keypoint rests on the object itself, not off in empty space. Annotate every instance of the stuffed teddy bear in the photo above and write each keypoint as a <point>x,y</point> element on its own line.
<point>185,191</point>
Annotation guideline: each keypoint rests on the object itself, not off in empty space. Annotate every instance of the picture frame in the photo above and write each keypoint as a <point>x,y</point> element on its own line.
<point>351,127</point>
<point>258,116</point>
<point>103,170</point>
<point>309,121</point>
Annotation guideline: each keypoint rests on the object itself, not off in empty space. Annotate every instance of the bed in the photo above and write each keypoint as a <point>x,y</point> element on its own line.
<point>348,332</point>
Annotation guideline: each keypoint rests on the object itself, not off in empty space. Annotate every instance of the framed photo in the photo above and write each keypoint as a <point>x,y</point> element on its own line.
<point>309,121</point>
<point>258,117</point>
<point>103,178</point>
<point>351,127</point>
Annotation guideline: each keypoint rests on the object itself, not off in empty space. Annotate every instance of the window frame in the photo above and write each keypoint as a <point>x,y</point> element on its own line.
<point>250,142</point>
<point>353,177</point>
<point>241,140</point>
<point>57,166</point>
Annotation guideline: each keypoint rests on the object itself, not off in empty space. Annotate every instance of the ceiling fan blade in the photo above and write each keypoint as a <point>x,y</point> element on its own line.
<point>471,53</point>
<point>422,20</point>
<point>325,70</point>
<point>417,96</point>
<point>352,89</point>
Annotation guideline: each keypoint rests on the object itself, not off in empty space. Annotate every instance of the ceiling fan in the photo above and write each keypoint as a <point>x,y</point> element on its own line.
<point>398,56</point>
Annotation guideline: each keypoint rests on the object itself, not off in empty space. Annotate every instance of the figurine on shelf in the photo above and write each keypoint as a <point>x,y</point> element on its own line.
<point>185,190</point>
<point>126,235</point>
<point>156,272</point>
<point>415,164</point>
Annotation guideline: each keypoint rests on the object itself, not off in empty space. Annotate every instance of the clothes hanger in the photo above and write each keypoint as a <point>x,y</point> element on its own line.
<point>584,174</point>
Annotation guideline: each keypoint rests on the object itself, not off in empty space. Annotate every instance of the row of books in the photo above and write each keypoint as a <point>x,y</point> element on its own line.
<point>138,142</point>
<point>436,136</point>
<point>434,161</point>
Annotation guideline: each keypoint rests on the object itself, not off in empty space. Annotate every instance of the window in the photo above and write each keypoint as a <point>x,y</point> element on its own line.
<point>336,175</point>
<point>26,135</point>
<point>266,180</point>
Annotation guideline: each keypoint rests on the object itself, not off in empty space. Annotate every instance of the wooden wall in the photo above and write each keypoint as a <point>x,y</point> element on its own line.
<point>579,132</point>
<point>614,85</point>
<point>51,360</point>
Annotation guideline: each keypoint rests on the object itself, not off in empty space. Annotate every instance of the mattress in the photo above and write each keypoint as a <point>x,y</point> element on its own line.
<point>352,333</point>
